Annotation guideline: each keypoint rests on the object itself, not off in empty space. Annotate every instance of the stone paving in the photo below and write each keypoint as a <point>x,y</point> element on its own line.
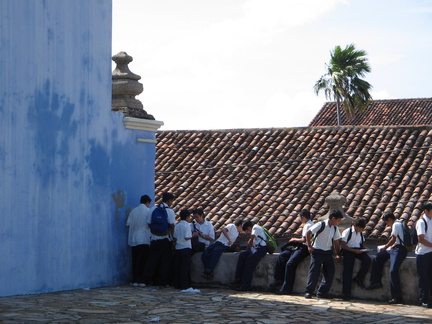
<point>126,304</point>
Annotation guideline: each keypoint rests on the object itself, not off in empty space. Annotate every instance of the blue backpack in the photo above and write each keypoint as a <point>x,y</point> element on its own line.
<point>159,221</point>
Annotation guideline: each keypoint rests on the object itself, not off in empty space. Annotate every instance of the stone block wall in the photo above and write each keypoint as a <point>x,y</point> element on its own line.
<point>263,277</point>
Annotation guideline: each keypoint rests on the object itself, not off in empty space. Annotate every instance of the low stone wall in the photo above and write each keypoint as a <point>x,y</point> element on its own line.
<point>263,276</point>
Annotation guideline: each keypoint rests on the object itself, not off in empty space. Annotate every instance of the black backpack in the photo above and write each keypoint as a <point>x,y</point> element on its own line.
<point>159,221</point>
<point>410,237</point>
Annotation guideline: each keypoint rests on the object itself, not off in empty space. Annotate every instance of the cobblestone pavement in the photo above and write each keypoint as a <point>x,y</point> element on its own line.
<point>125,304</point>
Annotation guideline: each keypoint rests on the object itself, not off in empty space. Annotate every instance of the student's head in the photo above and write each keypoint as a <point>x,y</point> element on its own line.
<point>185,214</point>
<point>359,224</point>
<point>168,198</point>
<point>198,215</point>
<point>247,226</point>
<point>239,223</point>
<point>335,217</point>
<point>389,218</point>
<point>145,200</point>
<point>305,215</point>
<point>427,208</point>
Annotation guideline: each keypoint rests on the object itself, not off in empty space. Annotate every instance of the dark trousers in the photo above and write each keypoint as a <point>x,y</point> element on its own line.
<point>246,264</point>
<point>324,259</point>
<point>424,271</point>
<point>396,255</point>
<point>291,267</point>
<point>139,258</point>
<point>279,274</point>
<point>211,255</point>
<point>348,263</point>
<point>158,262</point>
<point>182,261</point>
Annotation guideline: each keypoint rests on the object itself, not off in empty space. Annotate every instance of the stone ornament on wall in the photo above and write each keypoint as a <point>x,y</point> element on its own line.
<point>336,201</point>
<point>125,87</point>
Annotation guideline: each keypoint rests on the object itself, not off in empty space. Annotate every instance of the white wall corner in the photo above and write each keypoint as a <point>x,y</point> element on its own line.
<point>142,124</point>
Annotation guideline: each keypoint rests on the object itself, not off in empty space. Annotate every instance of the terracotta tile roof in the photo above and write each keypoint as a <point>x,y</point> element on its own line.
<point>269,175</point>
<point>381,113</point>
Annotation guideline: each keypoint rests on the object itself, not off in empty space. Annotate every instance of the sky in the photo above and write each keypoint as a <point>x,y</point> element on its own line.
<point>230,64</point>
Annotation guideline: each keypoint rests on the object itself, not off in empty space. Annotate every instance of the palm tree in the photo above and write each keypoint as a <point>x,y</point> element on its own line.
<point>343,82</point>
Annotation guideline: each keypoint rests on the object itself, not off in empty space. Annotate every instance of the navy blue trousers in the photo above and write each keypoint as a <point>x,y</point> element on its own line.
<point>424,271</point>
<point>279,274</point>
<point>324,259</point>
<point>211,255</point>
<point>139,258</point>
<point>158,262</point>
<point>246,264</point>
<point>396,255</point>
<point>348,262</point>
<point>182,262</point>
<point>291,267</point>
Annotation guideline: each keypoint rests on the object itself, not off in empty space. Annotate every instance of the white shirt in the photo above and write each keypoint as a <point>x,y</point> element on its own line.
<point>206,229</point>
<point>232,234</point>
<point>306,227</point>
<point>355,242</point>
<point>325,239</point>
<point>421,230</point>
<point>260,236</point>
<point>398,232</point>
<point>139,232</point>
<point>182,231</point>
<point>171,220</point>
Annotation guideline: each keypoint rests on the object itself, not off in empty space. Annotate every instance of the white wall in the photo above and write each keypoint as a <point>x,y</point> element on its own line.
<point>64,156</point>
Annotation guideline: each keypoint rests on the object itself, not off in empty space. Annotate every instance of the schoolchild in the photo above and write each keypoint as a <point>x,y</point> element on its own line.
<point>139,239</point>
<point>183,251</point>
<point>397,253</point>
<point>352,244</point>
<point>326,239</point>
<point>160,250</point>
<point>213,252</point>
<point>202,231</point>
<point>423,253</point>
<point>286,265</point>
<point>248,259</point>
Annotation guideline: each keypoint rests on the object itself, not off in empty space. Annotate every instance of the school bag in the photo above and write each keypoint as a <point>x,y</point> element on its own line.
<point>270,241</point>
<point>410,235</point>
<point>159,221</point>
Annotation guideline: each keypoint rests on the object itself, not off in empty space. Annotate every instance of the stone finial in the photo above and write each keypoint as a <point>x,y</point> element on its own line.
<point>125,87</point>
<point>336,201</point>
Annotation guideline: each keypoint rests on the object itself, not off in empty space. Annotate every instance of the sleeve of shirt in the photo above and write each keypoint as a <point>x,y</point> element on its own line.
<point>345,234</point>
<point>314,228</point>
<point>337,234</point>
<point>420,227</point>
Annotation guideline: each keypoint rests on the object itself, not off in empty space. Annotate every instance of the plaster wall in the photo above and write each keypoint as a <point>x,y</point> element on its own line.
<point>69,170</point>
<point>263,277</point>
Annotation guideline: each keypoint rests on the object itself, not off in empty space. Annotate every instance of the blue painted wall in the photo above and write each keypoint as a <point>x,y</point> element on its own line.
<point>69,170</point>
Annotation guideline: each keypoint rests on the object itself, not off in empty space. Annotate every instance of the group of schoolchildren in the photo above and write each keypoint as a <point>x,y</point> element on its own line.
<point>154,261</point>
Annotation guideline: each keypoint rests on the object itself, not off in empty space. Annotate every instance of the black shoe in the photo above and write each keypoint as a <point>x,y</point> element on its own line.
<point>394,301</point>
<point>359,283</point>
<point>346,297</point>
<point>283,292</point>
<point>375,285</point>
<point>324,296</point>
<point>308,295</point>
<point>235,284</point>
<point>210,275</point>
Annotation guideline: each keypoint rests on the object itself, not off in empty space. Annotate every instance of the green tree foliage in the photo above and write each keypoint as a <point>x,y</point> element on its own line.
<point>343,81</point>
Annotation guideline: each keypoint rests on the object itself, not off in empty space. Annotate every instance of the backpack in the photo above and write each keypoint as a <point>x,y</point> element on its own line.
<point>270,241</point>
<point>159,221</point>
<point>410,238</point>
<point>414,235</point>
